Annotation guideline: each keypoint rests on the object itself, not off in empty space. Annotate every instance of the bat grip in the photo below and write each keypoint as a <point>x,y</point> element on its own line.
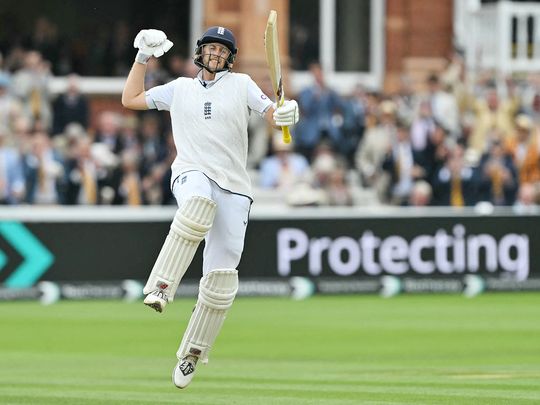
<point>286,134</point>
<point>285,130</point>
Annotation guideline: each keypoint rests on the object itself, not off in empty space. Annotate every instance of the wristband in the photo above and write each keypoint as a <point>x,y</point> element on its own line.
<point>142,58</point>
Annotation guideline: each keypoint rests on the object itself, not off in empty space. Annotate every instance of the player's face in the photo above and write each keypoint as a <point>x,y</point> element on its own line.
<point>215,55</point>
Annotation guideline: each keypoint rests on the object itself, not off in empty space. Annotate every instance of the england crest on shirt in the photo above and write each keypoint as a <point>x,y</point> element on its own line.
<point>207,110</point>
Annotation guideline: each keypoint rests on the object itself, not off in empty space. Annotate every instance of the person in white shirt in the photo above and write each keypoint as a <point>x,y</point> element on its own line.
<point>209,117</point>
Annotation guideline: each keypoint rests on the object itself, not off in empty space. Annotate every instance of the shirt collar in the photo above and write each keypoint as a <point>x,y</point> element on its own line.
<point>210,83</point>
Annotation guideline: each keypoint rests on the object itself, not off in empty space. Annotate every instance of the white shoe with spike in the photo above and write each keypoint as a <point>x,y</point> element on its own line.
<point>184,371</point>
<point>157,300</point>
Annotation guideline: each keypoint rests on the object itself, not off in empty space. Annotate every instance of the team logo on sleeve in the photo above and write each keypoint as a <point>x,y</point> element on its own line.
<point>207,110</point>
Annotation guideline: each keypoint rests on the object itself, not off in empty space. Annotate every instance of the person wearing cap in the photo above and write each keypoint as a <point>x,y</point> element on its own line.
<point>523,146</point>
<point>209,118</point>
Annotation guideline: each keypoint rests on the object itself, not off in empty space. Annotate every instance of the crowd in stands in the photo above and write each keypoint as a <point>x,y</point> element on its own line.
<point>453,144</point>
<point>456,143</point>
<point>50,152</point>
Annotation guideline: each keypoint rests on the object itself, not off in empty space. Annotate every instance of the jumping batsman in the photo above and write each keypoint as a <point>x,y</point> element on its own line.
<point>209,117</point>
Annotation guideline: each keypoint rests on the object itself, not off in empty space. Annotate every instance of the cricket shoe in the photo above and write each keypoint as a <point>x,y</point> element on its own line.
<point>157,299</point>
<point>184,371</point>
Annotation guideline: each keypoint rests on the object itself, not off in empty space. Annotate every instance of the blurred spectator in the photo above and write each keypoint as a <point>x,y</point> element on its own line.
<point>20,137</point>
<point>157,154</point>
<point>372,103</point>
<point>108,131</point>
<point>354,122</point>
<point>321,108</point>
<point>491,113</point>
<point>62,143</point>
<point>329,177</point>
<point>401,162</point>
<point>305,195</point>
<point>337,190</point>
<point>454,79</point>
<point>167,197</point>
<point>420,194</point>
<point>527,201</point>
<point>523,146</point>
<point>10,107</point>
<point>499,175</point>
<point>72,106</point>
<point>128,183</point>
<point>86,173</point>
<point>533,109</point>
<point>43,171</point>
<point>12,187</point>
<point>152,185</point>
<point>375,144</point>
<point>153,147</point>
<point>259,139</point>
<point>456,184</point>
<point>129,133</point>
<point>405,100</point>
<point>324,163</point>
<point>443,105</point>
<point>284,168</point>
<point>422,125</point>
<point>106,163</point>
<point>436,153</point>
<point>14,59</point>
<point>30,84</point>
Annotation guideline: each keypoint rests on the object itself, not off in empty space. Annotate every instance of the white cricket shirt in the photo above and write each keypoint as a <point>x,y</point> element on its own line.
<point>209,125</point>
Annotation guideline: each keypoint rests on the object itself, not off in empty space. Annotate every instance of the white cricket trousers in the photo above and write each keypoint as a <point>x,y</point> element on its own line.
<point>224,242</point>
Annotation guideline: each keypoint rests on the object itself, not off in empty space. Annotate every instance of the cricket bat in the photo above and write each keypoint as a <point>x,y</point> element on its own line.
<point>272,57</point>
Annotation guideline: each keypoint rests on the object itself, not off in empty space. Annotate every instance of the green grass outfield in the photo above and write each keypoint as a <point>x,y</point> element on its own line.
<point>419,349</point>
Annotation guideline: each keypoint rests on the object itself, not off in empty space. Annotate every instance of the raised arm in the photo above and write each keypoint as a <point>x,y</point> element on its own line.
<point>133,96</point>
<point>150,43</point>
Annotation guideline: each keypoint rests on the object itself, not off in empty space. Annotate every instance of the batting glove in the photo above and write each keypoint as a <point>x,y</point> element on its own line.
<point>287,114</point>
<point>151,43</point>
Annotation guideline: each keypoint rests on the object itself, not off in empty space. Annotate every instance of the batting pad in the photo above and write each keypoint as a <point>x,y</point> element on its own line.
<point>189,227</point>
<point>216,294</point>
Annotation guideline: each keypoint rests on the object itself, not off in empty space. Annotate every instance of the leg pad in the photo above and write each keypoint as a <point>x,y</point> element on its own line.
<point>189,227</point>
<point>217,291</point>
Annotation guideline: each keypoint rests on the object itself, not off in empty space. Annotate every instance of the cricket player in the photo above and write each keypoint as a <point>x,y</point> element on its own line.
<point>209,117</point>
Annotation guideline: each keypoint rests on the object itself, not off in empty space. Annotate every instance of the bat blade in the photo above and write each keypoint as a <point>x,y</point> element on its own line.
<point>271,45</point>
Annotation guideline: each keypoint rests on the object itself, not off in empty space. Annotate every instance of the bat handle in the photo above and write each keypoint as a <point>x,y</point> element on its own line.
<point>286,134</point>
<point>285,130</point>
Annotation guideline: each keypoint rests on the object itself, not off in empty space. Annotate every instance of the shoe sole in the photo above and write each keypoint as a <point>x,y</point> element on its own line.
<point>155,305</point>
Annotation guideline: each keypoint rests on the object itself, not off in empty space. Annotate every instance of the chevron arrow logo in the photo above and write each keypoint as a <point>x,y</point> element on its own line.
<point>36,258</point>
